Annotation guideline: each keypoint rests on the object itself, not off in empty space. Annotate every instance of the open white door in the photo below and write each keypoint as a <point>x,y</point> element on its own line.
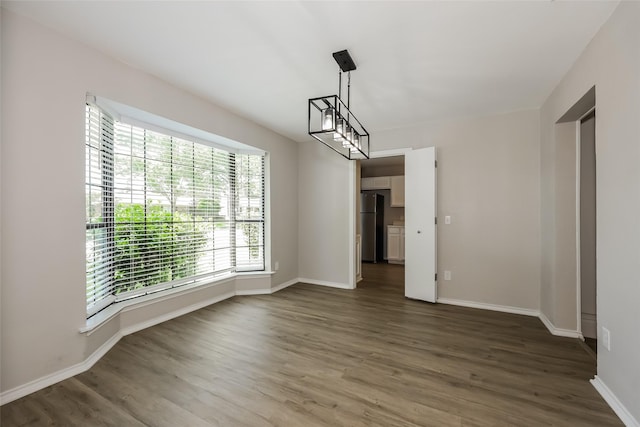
<point>420,227</point>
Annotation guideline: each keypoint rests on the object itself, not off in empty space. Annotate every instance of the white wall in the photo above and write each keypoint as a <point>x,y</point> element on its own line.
<point>326,180</point>
<point>45,77</point>
<point>488,182</point>
<point>611,62</point>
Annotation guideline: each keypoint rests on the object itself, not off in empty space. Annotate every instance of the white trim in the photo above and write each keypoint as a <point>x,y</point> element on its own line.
<point>587,113</point>
<point>267,291</point>
<point>621,411</point>
<point>107,314</point>
<point>352,214</point>
<point>261,291</point>
<point>389,153</point>
<point>253,274</point>
<point>65,373</point>
<point>173,314</point>
<point>267,213</point>
<point>47,380</point>
<point>324,283</point>
<point>559,331</point>
<point>137,117</point>
<point>578,234</point>
<point>493,307</point>
<point>515,310</point>
<point>351,242</point>
<point>285,285</point>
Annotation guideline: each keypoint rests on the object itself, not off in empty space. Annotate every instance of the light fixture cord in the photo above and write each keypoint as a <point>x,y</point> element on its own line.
<point>348,90</point>
<point>339,88</point>
<point>348,97</point>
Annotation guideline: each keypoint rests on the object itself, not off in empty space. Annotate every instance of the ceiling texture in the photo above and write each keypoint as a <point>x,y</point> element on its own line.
<point>417,61</point>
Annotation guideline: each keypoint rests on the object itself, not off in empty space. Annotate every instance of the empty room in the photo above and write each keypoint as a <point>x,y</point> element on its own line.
<point>308,213</point>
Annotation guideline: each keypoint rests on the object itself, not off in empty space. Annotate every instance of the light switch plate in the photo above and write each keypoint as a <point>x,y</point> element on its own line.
<point>606,338</point>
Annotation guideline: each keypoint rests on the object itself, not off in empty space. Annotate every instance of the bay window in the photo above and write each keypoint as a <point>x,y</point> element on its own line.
<point>163,211</point>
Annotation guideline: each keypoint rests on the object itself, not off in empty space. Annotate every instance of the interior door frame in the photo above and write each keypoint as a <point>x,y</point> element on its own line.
<point>352,208</point>
<point>578,125</point>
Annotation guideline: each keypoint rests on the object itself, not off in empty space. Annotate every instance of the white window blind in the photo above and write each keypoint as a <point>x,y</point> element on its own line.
<point>99,208</point>
<point>249,212</point>
<point>163,211</point>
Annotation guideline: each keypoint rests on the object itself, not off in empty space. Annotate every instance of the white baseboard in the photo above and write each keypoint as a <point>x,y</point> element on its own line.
<point>621,411</point>
<point>323,283</point>
<point>269,290</point>
<point>63,374</point>
<point>176,313</point>
<point>243,292</point>
<point>485,306</point>
<point>43,382</point>
<point>85,365</point>
<point>569,333</point>
<point>284,285</point>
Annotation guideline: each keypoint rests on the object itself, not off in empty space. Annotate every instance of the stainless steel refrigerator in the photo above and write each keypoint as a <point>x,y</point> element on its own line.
<point>372,226</point>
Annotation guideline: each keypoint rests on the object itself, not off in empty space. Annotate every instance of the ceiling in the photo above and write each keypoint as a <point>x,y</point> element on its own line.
<point>417,61</point>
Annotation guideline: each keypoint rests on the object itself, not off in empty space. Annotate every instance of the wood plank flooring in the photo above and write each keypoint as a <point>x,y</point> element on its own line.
<point>315,356</point>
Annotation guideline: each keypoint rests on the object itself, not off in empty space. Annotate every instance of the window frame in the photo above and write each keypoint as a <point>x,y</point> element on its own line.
<point>108,223</point>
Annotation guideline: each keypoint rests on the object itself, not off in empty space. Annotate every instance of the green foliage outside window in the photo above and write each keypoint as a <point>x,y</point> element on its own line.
<point>252,232</point>
<point>157,242</point>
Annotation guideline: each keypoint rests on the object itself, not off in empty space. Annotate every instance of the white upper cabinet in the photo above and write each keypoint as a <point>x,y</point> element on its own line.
<point>376,183</point>
<point>394,183</point>
<point>397,192</point>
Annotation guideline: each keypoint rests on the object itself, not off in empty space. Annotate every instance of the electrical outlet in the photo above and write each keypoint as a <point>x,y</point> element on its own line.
<point>606,338</point>
<point>276,266</point>
<point>447,275</point>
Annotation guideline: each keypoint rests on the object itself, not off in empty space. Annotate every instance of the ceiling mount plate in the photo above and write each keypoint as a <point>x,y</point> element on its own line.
<point>344,60</point>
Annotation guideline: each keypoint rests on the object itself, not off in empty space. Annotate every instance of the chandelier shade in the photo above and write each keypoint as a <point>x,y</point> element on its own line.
<point>332,123</point>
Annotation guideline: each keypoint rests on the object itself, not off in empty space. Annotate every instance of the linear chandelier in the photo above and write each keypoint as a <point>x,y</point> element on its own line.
<point>332,123</point>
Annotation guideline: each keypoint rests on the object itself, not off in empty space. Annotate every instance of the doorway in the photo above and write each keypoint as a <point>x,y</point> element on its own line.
<point>575,217</point>
<point>417,245</point>
<point>587,230</point>
<point>381,209</point>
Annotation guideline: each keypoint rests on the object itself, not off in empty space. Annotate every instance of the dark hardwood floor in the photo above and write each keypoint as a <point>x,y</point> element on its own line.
<point>316,356</point>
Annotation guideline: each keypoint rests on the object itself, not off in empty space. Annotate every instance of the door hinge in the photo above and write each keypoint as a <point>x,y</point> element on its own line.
<point>436,163</point>
<point>436,277</point>
<point>436,220</point>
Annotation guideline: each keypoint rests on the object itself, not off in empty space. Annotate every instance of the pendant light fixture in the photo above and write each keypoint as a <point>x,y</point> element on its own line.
<point>332,123</point>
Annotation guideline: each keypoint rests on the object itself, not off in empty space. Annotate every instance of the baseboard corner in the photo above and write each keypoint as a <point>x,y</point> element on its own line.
<point>486,306</point>
<point>559,332</point>
<point>61,375</point>
<point>284,285</point>
<point>325,283</point>
<point>612,400</point>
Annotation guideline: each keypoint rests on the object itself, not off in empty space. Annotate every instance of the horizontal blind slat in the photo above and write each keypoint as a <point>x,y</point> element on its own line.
<point>178,209</point>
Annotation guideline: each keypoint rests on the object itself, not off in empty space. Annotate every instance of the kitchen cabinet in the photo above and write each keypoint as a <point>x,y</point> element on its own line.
<point>397,191</point>
<point>393,183</point>
<point>395,244</point>
<point>376,183</point>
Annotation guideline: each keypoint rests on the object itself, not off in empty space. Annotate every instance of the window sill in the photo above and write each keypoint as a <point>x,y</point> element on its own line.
<point>113,310</point>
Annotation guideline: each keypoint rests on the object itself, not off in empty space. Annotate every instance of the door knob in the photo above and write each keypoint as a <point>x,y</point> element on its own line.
<point>419,231</point>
